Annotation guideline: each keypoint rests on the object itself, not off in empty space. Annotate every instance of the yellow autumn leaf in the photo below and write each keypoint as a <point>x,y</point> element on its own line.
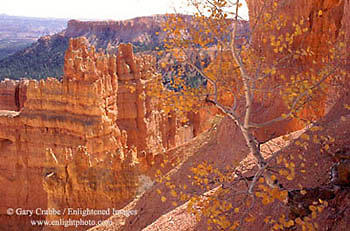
<point>173,193</point>
<point>305,137</point>
<point>326,147</point>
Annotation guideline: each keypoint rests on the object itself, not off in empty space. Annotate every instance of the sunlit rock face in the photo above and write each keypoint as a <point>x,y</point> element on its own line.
<point>81,142</point>
<point>326,23</point>
<point>60,116</point>
<point>325,20</point>
<point>140,30</point>
<point>148,130</point>
<point>12,94</point>
<point>335,16</point>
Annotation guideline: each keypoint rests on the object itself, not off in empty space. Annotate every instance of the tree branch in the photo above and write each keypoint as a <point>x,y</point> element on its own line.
<point>294,105</point>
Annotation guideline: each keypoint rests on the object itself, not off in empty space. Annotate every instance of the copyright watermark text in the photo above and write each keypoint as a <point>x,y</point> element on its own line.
<point>70,212</point>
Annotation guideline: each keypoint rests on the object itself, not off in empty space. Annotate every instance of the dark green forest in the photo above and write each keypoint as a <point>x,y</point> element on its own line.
<point>42,59</point>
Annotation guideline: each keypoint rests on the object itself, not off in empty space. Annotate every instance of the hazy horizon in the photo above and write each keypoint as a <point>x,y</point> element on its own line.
<point>84,10</point>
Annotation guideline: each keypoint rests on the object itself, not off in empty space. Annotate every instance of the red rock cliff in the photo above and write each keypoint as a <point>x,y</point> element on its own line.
<point>133,30</point>
<point>325,19</point>
<point>71,145</point>
<point>61,116</point>
<point>12,94</point>
<point>148,130</point>
<point>325,22</point>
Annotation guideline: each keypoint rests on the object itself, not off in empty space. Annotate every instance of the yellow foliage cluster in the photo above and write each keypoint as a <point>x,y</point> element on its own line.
<point>182,101</point>
<point>242,72</point>
<point>288,170</point>
<point>307,223</point>
<point>269,195</point>
<point>281,224</point>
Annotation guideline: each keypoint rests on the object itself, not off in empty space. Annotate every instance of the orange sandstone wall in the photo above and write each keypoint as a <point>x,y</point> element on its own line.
<point>140,29</point>
<point>322,27</point>
<point>12,94</point>
<point>61,116</point>
<point>72,143</point>
<point>148,130</point>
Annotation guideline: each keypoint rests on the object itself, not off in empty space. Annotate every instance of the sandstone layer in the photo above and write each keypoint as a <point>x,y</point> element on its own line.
<point>312,171</point>
<point>322,28</point>
<point>326,24</point>
<point>12,94</point>
<point>325,19</point>
<point>60,116</point>
<point>140,29</point>
<point>81,142</point>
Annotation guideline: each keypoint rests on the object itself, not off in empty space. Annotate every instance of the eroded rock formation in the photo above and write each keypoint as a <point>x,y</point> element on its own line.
<point>325,19</point>
<point>326,22</point>
<point>87,189</point>
<point>96,130</point>
<point>80,110</point>
<point>141,30</point>
<point>12,94</point>
<point>148,130</point>
<point>317,26</point>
